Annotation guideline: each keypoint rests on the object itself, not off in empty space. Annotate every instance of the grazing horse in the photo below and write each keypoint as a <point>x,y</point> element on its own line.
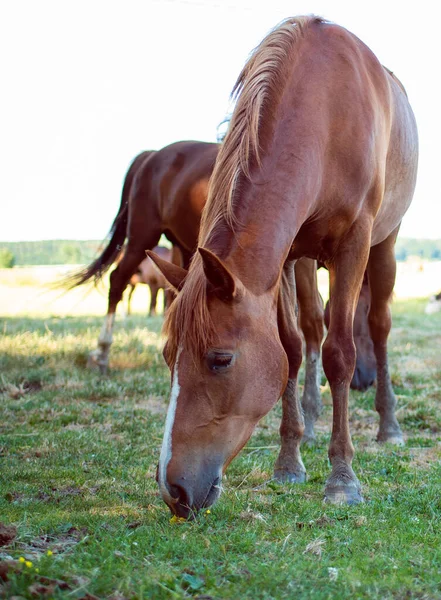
<point>434,304</point>
<point>148,274</point>
<point>319,160</point>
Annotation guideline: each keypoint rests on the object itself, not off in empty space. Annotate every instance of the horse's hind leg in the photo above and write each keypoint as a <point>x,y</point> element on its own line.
<point>118,282</point>
<point>311,324</point>
<point>166,301</point>
<point>289,466</point>
<point>381,271</point>
<point>153,299</point>
<point>129,299</point>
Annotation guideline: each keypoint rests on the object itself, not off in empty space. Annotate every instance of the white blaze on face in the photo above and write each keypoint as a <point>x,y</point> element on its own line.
<point>166,450</point>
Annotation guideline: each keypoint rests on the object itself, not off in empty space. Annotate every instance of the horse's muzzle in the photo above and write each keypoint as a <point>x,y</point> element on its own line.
<point>363,377</point>
<point>188,500</point>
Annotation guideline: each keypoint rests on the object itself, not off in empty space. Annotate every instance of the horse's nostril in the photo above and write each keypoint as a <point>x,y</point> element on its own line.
<point>355,383</point>
<point>179,493</point>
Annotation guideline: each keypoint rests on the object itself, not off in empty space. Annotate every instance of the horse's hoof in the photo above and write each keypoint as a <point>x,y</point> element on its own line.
<point>282,476</point>
<point>309,440</point>
<point>395,438</point>
<point>343,494</point>
<point>94,363</point>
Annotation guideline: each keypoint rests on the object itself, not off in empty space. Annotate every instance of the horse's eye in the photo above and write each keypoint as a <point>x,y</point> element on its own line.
<point>219,361</point>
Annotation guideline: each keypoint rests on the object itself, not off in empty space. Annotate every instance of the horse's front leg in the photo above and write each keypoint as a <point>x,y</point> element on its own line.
<point>289,466</point>
<point>346,276</point>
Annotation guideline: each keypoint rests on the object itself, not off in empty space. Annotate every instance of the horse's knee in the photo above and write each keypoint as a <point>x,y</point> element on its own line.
<point>338,356</point>
<point>312,327</point>
<point>293,349</point>
<point>380,323</point>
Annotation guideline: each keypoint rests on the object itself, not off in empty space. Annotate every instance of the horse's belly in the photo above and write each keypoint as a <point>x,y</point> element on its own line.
<point>395,203</point>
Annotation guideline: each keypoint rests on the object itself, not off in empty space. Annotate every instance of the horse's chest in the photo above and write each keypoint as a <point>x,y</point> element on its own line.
<point>317,242</point>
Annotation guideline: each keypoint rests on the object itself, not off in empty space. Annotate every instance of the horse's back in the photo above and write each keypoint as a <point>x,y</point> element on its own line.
<point>385,141</point>
<point>365,139</point>
<point>182,173</point>
<point>169,190</point>
<point>179,166</point>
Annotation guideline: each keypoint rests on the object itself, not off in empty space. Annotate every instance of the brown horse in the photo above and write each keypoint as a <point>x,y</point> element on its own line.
<point>148,274</point>
<point>320,160</point>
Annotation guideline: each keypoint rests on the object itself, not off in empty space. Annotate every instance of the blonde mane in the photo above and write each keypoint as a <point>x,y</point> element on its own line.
<point>263,76</point>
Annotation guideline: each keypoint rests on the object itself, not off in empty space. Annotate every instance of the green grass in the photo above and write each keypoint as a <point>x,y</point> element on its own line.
<point>78,454</point>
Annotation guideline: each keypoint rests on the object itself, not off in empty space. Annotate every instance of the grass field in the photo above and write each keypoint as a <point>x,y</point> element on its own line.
<point>77,462</point>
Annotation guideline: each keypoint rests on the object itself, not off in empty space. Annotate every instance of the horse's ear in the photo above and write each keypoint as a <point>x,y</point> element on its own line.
<point>175,275</point>
<point>224,284</point>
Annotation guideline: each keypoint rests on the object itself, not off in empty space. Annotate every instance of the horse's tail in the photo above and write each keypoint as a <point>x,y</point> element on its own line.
<point>117,234</point>
<point>101,265</point>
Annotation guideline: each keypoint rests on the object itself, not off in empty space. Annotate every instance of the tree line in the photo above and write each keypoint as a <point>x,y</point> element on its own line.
<point>421,248</point>
<point>70,252</point>
<point>49,252</point>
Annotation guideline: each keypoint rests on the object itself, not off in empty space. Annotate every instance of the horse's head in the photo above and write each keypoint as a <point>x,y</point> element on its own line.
<point>220,386</point>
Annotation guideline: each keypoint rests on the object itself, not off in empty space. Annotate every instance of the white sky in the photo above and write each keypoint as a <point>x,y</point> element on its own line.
<point>88,84</point>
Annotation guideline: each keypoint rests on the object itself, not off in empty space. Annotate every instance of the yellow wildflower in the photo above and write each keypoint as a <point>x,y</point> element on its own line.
<point>21,559</point>
<point>28,564</point>
<point>49,553</point>
<point>176,519</point>
<point>208,512</point>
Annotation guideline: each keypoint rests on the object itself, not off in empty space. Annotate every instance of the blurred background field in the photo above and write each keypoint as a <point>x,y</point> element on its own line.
<point>27,290</point>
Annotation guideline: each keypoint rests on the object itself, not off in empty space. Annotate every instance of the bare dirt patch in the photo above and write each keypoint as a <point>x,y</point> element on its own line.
<point>58,544</point>
<point>8,533</point>
<point>425,457</point>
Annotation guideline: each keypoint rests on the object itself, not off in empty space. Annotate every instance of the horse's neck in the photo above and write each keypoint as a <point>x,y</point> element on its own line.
<point>268,217</point>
